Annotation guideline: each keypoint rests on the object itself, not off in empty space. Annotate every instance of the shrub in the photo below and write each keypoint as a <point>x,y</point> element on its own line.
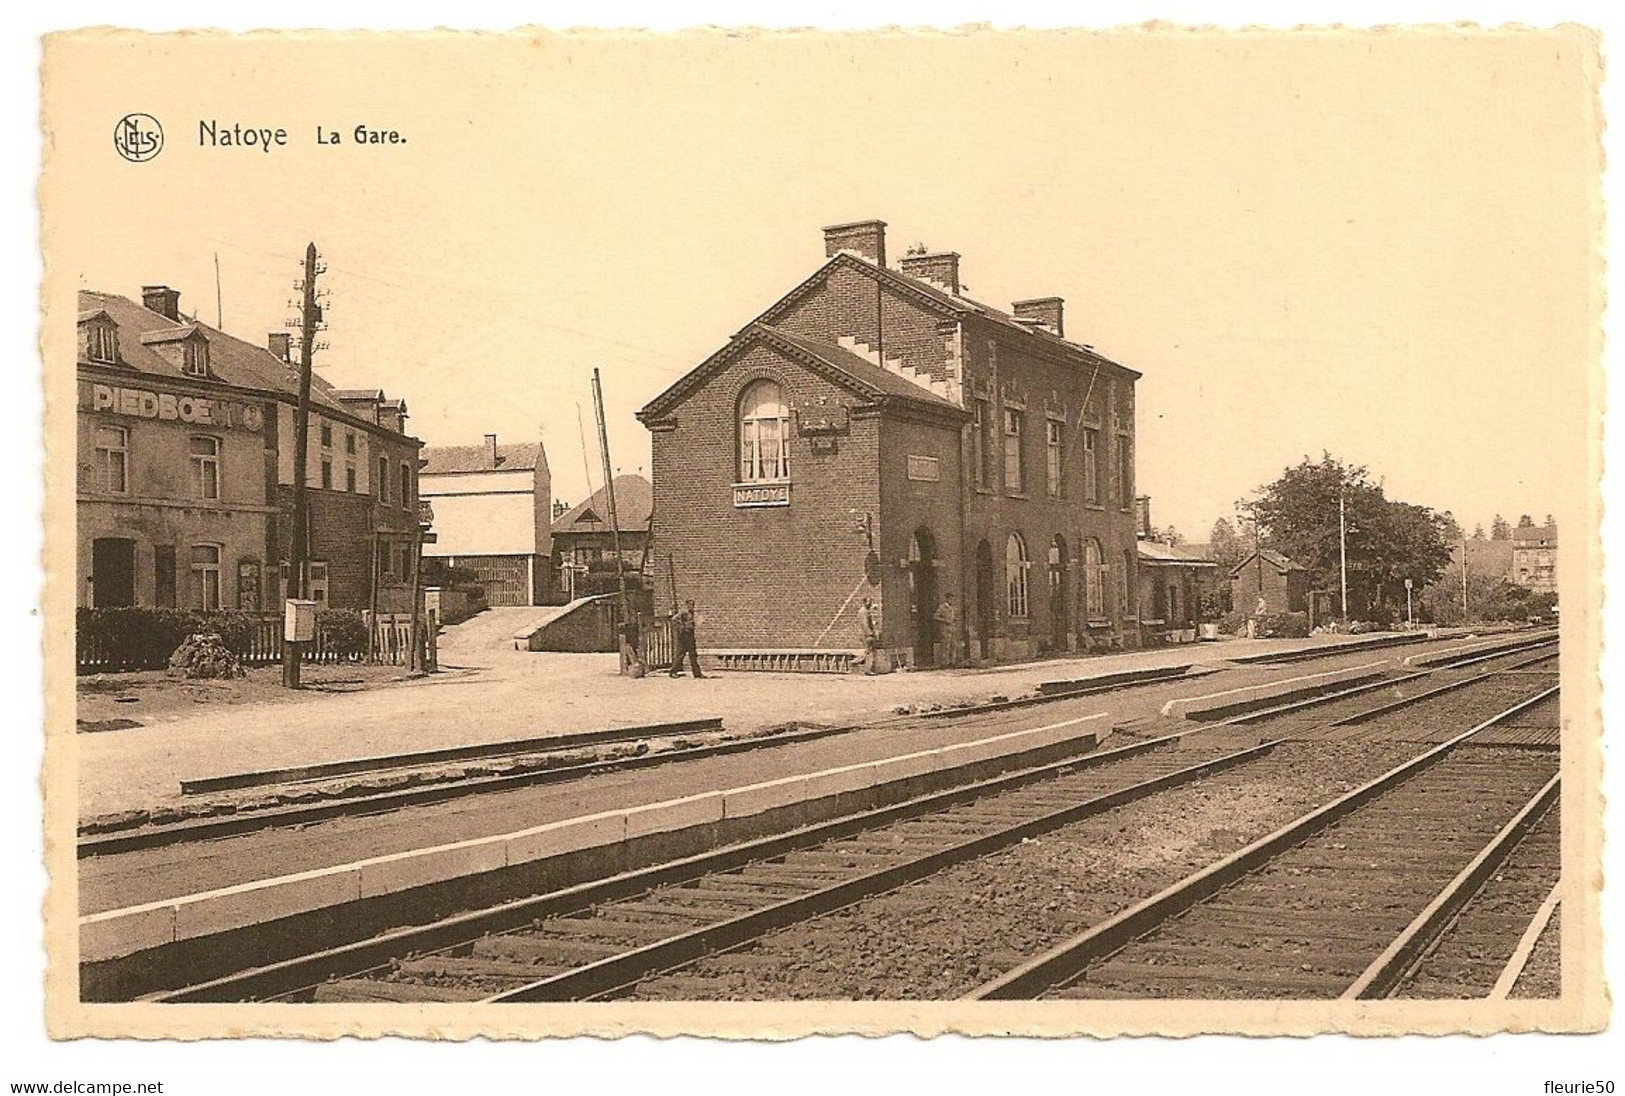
<point>203,655</point>
<point>1283,625</point>
<point>1233,623</point>
<point>343,632</point>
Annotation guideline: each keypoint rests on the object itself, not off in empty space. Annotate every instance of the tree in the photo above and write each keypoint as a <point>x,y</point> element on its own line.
<point>1228,549</point>
<point>1526,522</point>
<point>1549,521</point>
<point>1450,528</point>
<point>1387,541</point>
<point>1478,532</point>
<point>1499,529</point>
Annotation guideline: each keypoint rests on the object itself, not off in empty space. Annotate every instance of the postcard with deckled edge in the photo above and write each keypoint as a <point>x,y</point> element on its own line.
<point>750,533</point>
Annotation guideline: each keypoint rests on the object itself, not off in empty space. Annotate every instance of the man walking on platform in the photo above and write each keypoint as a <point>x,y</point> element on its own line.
<point>683,625</point>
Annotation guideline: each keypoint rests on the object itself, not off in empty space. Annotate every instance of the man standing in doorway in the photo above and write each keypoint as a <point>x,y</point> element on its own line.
<point>947,618</point>
<point>683,625</point>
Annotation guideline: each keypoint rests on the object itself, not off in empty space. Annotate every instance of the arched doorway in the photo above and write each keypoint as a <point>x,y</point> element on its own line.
<point>984,600</point>
<point>922,595</point>
<point>1059,619</point>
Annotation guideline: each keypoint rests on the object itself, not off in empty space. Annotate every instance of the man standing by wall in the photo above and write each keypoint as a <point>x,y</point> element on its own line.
<point>683,626</point>
<point>947,617</point>
<point>869,626</point>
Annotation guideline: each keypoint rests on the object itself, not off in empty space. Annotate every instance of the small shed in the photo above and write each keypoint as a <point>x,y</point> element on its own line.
<point>1268,582</point>
<point>1173,580</point>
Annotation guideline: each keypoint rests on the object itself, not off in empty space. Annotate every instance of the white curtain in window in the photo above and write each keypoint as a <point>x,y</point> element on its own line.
<point>764,427</point>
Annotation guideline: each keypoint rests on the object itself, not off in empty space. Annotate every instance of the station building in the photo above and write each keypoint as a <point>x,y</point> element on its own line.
<point>186,468</point>
<point>493,515</point>
<point>876,433</point>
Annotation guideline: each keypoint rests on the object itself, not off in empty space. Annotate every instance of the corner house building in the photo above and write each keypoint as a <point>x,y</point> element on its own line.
<point>185,468</point>
<point>876,433</point>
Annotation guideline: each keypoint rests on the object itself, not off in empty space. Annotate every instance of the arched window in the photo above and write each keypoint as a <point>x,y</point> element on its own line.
<point>764,431</point>
<point>1094,575</point>
<point>1015,576</point>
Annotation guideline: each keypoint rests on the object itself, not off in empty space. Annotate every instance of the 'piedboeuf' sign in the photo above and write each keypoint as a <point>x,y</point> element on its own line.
<point>143,404</point>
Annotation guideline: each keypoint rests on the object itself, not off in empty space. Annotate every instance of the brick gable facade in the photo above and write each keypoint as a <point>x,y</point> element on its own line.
<point>889,503</point>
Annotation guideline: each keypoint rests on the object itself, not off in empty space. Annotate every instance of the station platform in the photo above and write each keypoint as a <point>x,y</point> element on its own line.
<point>491,693</point>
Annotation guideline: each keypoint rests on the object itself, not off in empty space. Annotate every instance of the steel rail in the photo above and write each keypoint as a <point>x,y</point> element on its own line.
<point>218,826</point>
<point>1368,687</point>
<point>619,972</point>
<point>290,976</point>
<point>303,971</point>
<point>472,752</point>
<point>1526,945</point>
<point>1398,961</point>
<point>1066,960</point>
<point>231,825</point>
<point>215,827</point>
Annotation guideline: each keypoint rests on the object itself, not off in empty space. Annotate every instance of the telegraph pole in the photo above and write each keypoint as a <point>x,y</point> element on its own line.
<point>310,316</point>
<point>614,522</point>
<point>1343,553</point>
<point>1464,576</point>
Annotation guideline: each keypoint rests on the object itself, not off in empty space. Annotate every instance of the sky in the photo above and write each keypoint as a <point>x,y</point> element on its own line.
<point>1378,248</point>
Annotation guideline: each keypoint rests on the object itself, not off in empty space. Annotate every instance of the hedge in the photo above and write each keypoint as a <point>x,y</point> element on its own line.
<point>144,639</point>
<point>135,638</point>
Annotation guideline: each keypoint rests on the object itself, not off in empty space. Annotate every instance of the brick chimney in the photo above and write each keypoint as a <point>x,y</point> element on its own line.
<point>162,300</point>
<point>280,343</point>
<point>1046,310</point>
<point>941,269</point>
<point>867,238</point>
<point>491,444</point>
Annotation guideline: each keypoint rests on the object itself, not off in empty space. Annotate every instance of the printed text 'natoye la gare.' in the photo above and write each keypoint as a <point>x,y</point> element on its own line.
<point>217,134</point>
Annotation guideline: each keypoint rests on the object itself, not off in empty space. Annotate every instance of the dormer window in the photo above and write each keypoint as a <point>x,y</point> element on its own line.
<point>98,337</point>
<point>103,343</point>
<point>185,348</point>
<point>195,358</point>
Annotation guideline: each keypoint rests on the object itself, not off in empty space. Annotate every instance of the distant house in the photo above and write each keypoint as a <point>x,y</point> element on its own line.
<point>492,515</point>
<point>1268,582</point>
<point>1534,558</point>
<point>582,535</point>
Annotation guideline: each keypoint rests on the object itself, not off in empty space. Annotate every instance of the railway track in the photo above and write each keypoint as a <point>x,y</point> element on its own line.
<point>602,938</point>
<point>505,767</point>
<point>1357,899</point>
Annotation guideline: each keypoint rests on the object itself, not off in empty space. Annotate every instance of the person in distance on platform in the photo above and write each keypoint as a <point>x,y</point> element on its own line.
<point>870,629</point>
<point>947,618</point>
<point>683,625</point>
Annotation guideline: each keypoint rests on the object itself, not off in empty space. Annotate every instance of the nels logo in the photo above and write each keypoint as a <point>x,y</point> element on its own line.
<point>138,137</point>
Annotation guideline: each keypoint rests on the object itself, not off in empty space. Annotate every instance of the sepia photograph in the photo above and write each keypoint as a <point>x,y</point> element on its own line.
<point>764,533</point>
